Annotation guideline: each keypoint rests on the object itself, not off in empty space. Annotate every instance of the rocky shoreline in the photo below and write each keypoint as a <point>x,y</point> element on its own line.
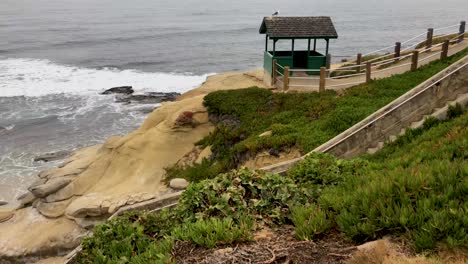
<point>94,182</point>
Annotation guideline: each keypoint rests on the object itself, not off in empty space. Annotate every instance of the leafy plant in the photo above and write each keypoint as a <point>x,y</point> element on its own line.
<point>214,232</point>
<point>237,193</point>
<point>310,221</point>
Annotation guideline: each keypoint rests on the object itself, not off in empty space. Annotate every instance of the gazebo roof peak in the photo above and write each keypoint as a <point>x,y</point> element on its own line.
<point>298,27</point>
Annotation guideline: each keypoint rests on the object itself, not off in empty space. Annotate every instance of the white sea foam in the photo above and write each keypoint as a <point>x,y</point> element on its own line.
<point>33,77</point>
<point>10,127</point>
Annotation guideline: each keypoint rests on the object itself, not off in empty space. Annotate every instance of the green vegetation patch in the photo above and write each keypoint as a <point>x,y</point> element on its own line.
<point>300,120</point>
<point>214,212</point>
<point>415,187</point>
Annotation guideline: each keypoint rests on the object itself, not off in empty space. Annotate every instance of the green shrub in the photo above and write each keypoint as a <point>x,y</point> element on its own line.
<point>324,169</point>
<point>214,232</point>
<point>310,221</point>
<point>130,238</point>
<point>197,172</point>
<point>424,202</point>
<point>238,193</point>
<point>416,189</point>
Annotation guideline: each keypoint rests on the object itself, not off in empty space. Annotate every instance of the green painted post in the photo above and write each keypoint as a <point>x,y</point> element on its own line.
<point>274,47</point>
<point>327,47</point>
<point>327,64</point>
<point>266,42</point>
<point>315,44</point>
<point>292,53</point>
<point>275,72</point>
<point>308,48</point>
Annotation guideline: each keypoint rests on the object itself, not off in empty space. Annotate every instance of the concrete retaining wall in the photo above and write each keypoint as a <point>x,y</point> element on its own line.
<point>400,113</point>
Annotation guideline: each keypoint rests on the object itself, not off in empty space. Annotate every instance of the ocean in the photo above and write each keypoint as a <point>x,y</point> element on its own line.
<point>57,55</point>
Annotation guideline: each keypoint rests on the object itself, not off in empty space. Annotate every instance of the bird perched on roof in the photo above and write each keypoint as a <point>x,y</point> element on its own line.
<point>275,13</point>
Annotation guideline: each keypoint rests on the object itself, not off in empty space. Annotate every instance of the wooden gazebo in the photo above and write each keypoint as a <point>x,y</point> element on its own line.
<point>292,28</point>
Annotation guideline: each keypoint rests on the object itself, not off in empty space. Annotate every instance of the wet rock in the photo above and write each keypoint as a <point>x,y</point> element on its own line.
<point>165,97</point>
<point>147,110</point>
<point>38,182</point>
<point>147,98</point>
<point>49,187</point>
<point>52,156</point>
<point>178,184</point>
<point>44,174</point>
<point>26,199</point>
<point>119,90</point>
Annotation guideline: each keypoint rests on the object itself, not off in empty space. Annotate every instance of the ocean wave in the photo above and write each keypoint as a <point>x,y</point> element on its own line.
<point>130,65</point>
<point>10,127</point>
<point>38,77</point>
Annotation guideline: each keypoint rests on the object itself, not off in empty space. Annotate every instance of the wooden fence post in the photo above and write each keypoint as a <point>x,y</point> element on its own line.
<point>445,48</point>
<point>368,71</point>
<point>323,75</point>
<point>414,61</point>
<point>275,73</point>
<point>397,50</point>
<point>328,63</point>
<point>358,62</point>
<point>430,34</point>
<point>286,79</point>
<point>461,31</point>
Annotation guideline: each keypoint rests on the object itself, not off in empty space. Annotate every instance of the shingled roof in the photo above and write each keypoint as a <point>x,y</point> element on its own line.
<point>298,27</point>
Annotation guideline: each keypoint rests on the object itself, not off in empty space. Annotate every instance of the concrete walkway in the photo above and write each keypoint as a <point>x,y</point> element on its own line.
<point>311,83</point>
